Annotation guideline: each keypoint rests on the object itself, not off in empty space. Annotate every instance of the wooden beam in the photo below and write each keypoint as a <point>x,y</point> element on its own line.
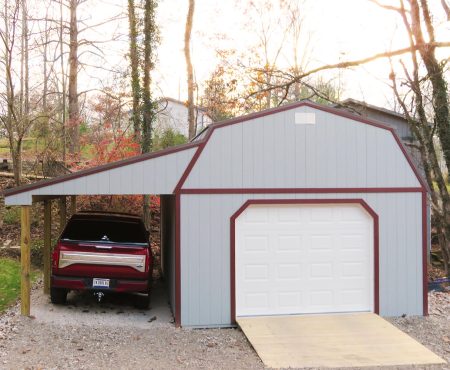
<point>25,246</point>
<point>62,214</point>
<point>73,204</point>
<point>47,244</point>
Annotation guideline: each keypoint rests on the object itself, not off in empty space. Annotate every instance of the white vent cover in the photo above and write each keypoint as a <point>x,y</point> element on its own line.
<point>305,118</point>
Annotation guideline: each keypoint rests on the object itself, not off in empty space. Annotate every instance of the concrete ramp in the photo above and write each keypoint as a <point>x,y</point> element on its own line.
<point>341,340</point>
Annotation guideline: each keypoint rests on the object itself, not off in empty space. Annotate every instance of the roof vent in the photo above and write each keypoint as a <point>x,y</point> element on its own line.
<point>305,118</point>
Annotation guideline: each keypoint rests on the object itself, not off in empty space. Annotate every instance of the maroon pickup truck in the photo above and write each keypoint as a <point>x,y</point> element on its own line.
<point>102,252</point>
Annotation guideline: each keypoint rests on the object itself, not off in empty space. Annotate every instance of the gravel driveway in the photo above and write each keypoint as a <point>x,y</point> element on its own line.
<point>114,335</point>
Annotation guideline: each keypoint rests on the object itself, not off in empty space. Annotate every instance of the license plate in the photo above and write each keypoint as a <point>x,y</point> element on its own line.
<point>100,283</point>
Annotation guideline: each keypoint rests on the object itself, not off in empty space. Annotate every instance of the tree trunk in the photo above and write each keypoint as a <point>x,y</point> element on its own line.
<point>74,113</point>
<point>149,42</point>
<point>134,64</point>
<point>17,162</point>
<point>150,39</point>
<point>26,77</point>
<point>435,73</point>
<point>189,68</point>
<point>63,82</point>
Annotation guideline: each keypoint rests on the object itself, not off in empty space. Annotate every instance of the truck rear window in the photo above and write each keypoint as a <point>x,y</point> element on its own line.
<point>105,231</point>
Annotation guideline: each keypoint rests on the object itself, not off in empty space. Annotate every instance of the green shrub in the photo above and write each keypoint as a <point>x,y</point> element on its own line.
<point>11,215</point>
<point>37,252</point>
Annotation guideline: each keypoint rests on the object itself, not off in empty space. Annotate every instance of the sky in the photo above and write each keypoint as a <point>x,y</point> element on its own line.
<point>337,30</point>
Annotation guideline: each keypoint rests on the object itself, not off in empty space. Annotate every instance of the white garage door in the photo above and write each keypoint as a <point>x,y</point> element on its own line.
<point>294,259</point>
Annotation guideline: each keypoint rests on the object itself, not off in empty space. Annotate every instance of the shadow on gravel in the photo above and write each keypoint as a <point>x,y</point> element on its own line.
<point>117,309</point>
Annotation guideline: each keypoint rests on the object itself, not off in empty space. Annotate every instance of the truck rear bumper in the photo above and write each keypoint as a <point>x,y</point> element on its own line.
<point>116,285</point>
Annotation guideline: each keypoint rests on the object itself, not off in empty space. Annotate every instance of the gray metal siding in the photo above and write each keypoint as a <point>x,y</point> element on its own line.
<point>158,175</point>
<point>205,252</point>
<point>273,151</point>
<point>400,125</point>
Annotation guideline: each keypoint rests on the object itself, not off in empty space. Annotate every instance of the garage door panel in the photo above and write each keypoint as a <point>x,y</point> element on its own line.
<point>289,300</point>
<point>321,214</point>
<point>256,243</point>
<point>320,300</point>
<point>352,298</point>
<point>289,242</point>
<point>290,215</point>
<point>257,301</point>
<point>320,241</point>
<point>256,217</point>
<point>321,271</point>
<point>256,272</point>
<point>289,271</point>
<point>354,269</point>
<point>304,259</point>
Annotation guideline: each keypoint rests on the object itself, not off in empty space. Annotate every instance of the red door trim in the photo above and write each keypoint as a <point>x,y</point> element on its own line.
<point>424,254</point>
<point>249,202</point>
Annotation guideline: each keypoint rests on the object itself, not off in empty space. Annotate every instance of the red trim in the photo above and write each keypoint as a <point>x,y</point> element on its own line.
<point>424,254</point>
<point>191,164</point>
<point>298,190</point>
<point>94,170</point>
<point>301,201</point>
<point>335,111</point>
<point>411,163</point>
<point>177,262</point>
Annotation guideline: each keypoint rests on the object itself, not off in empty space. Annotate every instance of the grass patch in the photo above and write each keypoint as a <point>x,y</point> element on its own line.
<point>10,281</point>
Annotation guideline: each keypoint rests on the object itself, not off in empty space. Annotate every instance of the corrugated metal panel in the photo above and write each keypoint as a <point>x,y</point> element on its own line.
<point>205,248</point>
<point>273,151</point>
<point>399,124</point>
<point>153,176</point>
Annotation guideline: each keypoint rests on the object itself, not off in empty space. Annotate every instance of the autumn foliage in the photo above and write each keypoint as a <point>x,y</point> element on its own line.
<point>105,141</point>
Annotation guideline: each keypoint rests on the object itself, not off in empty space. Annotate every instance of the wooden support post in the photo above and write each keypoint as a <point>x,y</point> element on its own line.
<point>47,244</point>
<point>73,204</point>
<point>62,214</point>
<point>25,244</point>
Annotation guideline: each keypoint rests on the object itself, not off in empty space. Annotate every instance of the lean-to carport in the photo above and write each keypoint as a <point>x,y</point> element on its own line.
<point>153,173</point>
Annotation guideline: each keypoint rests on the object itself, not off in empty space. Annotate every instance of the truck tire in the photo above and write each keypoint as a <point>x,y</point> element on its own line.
<point>58,295</point>
<point>143,301</point>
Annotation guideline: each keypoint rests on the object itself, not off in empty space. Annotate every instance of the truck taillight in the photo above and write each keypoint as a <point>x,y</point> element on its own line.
<point>55,258</point>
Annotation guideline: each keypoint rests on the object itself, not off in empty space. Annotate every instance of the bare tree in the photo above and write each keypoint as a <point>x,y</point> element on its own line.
<point>63,81</point>
<point>190,70</point>
<point>425,105</point>
<point>15,119</point>
<point>74,108</point>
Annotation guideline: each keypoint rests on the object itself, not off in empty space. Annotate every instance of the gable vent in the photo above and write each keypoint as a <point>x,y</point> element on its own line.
<point>305,118</point>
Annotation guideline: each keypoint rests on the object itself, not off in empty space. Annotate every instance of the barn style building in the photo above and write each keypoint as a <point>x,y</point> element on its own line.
<point>298,209</point>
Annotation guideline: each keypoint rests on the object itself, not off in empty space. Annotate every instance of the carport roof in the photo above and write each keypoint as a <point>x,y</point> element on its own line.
<point>97,169</point>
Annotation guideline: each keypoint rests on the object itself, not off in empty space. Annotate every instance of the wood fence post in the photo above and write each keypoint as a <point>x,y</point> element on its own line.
<point>73,204</point>
<point>47,244</point>
<point>25,246</point>
<point>62,213</point>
